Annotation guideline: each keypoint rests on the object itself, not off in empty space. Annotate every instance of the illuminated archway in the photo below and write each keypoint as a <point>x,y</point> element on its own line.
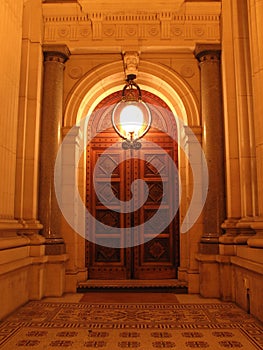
<point>157,79</point>
<point>175,92</point>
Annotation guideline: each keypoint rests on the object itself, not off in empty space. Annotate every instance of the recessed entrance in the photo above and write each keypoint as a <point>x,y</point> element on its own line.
<point>121,257</point>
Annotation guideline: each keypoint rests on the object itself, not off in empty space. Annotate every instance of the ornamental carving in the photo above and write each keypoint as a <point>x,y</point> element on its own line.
<point>107,254</point>
<point>114,26</point>
<point>198,31</point>
<point>153,31</point>
<point>75,72</point>
<point>131,30</point>
<point>131,62</point>
<point>156,250</point>
<point>176,31</point>
<point>109,30</point>
<point>85,32</point>
<point>187,71</point>
<point>64,32</point>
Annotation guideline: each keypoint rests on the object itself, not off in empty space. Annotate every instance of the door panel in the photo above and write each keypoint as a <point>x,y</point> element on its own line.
<point>103,258</point>
<point>158,257</point>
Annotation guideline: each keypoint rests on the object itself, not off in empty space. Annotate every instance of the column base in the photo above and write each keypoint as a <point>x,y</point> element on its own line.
<point>227,245</point>
<point>73,277</point>
<point>225,275</point>
<point>208,247</point>
<point>193,278</point>
<point>209,275</point>
<point>55,246</point>
<point>209,243</point>
<point>55,275</point>
<point>256,241</point>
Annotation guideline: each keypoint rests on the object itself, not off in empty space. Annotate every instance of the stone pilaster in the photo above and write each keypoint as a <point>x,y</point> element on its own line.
<point>73,170</point>
<point>227,240</point>
<point>195,183</point>
<point>55,57</point>
<point>213,144</point>
<point>256,44</point>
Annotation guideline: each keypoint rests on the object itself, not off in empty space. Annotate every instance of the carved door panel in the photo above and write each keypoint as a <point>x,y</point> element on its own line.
<point>120,257</point>
<point>105,259</point>
<point>158,257</point>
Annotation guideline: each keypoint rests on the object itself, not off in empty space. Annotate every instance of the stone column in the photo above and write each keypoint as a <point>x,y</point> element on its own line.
<point>54,58</point>
<point>213,144</point>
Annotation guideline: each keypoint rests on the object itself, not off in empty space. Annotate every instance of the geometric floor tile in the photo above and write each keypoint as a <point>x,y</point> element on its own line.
<point>57,338</point>
<point>41,325</point>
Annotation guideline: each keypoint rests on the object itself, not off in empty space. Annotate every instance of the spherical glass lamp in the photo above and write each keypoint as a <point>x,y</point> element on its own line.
<point>131,117</point>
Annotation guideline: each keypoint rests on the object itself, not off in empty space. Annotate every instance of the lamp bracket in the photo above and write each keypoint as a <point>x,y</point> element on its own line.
<point>128,92</point>
<point>130,77</point>
<point>131,145</point>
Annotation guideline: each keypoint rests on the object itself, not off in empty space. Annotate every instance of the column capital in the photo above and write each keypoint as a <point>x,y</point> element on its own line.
<point>59,53</point>
<point>207,52</point>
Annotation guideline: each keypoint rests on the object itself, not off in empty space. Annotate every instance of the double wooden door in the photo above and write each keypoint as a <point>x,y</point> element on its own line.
<point>126,248</point>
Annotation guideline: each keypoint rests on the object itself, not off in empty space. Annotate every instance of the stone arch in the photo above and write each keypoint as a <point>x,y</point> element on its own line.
<point>155,78</point>
<point>183,102</point>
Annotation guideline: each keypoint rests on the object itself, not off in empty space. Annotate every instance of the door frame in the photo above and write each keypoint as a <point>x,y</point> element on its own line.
<point>95,126</point>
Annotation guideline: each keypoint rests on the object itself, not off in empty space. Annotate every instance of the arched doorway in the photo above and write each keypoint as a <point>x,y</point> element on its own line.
<point>121,258</point>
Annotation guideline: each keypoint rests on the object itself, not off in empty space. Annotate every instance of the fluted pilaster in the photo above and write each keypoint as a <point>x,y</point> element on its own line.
<point>239,117</point>
<point>255,11</point>
<point>10,36</point>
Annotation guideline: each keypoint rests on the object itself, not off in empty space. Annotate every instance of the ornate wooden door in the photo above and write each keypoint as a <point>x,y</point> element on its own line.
<point>117,254</point>
<point>157,258</point>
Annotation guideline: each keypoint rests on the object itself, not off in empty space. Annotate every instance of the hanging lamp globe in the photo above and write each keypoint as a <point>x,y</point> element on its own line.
<point>131,116</point>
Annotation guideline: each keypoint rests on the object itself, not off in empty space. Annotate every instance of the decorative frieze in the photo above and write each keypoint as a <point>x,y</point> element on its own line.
<point>121,26</point>
<point>96,30</point>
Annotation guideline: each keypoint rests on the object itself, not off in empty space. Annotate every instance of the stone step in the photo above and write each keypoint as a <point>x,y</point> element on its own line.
<point>172,285</point>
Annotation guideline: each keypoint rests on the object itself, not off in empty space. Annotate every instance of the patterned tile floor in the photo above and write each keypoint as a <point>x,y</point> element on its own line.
<point>190,323</point>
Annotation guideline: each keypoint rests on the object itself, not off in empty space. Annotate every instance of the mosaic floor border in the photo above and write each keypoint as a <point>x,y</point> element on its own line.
<point>51,325</point>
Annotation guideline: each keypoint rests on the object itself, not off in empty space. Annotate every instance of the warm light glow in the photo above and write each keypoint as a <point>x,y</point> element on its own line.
<point>131,119</point>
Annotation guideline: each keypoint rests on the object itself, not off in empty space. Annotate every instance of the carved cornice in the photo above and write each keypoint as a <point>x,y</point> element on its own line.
<point>94,29</point>
<point>138,5</point>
